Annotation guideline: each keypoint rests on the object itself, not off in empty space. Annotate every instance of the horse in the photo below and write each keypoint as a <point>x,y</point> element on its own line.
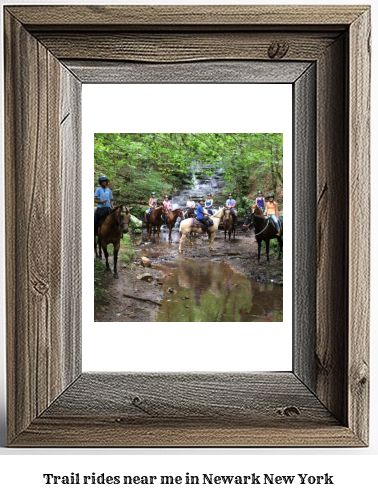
<point>187,226</point>
<point>171,218</point>
<point>264,230</point>
<point>229,223</point>
<point>154,220</point>
<point>111,230</point>
<point>190,213</point>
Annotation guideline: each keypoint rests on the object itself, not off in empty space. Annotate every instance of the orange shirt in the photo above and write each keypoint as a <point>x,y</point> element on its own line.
<point>271,208</point>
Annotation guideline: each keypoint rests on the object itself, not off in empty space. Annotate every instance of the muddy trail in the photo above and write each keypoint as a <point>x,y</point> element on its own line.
<point>225,285</point>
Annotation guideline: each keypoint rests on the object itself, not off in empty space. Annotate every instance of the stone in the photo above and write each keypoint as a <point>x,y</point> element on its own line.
<point>146,262</point>
<point>145,277</point>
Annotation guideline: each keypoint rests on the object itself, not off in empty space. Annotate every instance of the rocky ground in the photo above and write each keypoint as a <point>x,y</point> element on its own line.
<point>136,295</point>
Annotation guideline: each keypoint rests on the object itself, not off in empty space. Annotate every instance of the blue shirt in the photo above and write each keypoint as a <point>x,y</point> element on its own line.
<point>103,194</point>
<point>200,214</point>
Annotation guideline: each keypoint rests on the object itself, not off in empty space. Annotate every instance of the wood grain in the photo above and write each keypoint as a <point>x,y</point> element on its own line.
<point>332,230</point>
<point>71,233</point>
<point>324,402</point>
<point>184,16</point>
<point>179,47</point>
<point>359,240</point>
<point>193,409</point>
<point>200,72</point>
<point>34,219</point>
<point>304,224</point>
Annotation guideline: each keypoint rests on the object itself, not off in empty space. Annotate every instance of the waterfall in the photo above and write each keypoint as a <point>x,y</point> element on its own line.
<point>201,180</point>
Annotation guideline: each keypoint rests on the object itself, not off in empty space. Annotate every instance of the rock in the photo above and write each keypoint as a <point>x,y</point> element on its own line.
<point>135,221</point>
<point>146,262</point>
<point>145,277</point>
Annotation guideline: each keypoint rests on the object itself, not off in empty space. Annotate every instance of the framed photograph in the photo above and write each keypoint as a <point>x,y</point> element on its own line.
<point>323,52</point>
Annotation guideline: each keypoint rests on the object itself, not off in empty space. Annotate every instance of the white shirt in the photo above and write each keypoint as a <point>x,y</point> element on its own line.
<point>190,204</point>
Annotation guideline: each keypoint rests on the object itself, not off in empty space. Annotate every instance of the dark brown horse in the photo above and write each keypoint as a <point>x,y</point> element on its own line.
<point>110,232</point>
<point>190,213</point>
<point>171,219</point>
<point>264,230</point>
<point>229,223</point>
<point>154,220</point>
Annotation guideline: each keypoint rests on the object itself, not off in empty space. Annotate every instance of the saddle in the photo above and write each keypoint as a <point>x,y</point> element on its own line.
<point>199,224</point>
<point>101,214</point>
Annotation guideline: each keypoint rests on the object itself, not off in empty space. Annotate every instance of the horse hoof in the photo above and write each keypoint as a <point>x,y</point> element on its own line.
<point>116,276</point>
<point>108,271</point>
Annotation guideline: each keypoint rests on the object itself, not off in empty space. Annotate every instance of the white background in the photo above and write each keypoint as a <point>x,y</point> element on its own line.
<point>354,470</point>
<point>185,346</point>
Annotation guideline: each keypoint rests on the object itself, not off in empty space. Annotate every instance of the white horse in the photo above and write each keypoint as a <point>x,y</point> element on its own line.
<point>186,227</point>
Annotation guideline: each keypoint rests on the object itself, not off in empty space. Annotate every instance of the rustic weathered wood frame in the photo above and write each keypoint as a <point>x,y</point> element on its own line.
<point>49,52</point>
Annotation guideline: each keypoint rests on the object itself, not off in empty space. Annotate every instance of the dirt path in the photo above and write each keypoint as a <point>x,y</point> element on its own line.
<point>135,296</point>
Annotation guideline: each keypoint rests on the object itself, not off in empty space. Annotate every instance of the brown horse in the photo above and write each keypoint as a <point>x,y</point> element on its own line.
<point>190,213</point>
<point>111,230</point>
<point>171,219</point>
<point>264,230</point>
<point>154,220</point>
<point>229,223</point>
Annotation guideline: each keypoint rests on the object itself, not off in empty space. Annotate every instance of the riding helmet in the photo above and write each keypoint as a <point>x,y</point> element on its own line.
<point>271,195</point>
<point>230,194</point>
<point>153,192</point>
<point>166,196</point>
<point>259,192</point>
<point>102,178</point>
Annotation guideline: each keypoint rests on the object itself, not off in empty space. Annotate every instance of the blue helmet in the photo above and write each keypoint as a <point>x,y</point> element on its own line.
<point>102,178</point>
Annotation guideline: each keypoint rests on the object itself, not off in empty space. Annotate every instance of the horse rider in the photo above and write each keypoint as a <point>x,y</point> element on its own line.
<point>209,204</point>
<point>103,197</point>
<point>152,203</point>
<point>202,213</point>
<point>231,203</point>
<point>167,207</point>
<point>260,201</point>
<point>272,211</point>
<point>189,204</point>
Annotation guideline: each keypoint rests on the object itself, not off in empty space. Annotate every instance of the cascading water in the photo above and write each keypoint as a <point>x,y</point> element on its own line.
<point>201,180</point>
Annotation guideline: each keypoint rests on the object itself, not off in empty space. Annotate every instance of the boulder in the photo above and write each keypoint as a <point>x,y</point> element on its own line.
<point>146,262</point>
<point>135,221</point>
<point>145,277</point>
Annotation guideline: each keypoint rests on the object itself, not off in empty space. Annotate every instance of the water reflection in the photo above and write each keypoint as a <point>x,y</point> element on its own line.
<point>209,291</point>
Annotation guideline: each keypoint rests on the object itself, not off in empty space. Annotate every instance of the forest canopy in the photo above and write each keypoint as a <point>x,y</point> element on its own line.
<point>136,164</point>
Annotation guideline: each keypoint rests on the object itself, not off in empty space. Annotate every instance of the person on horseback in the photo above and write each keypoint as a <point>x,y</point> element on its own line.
<point>272,211</point>
<point>260,201</point>
<point>231,203</point>
<point>190,205</point>
<point>103,197</point>
<point>152,203</point>
<point>202,213</point>
<point>167,207</point>
<point>209,204</point>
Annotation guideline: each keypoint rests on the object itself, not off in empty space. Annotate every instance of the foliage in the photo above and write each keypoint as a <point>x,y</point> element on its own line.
<point>140,163</point>
<point>99,275</point>
<point>126,251</point>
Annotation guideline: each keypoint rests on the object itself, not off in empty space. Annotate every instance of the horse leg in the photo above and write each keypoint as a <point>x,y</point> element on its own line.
<point>258,250</point>
<point>104,247</point>
<point>182,238</point>
<point>115,259</point>
<point>211,240</point>
<point>280,250</point>
<point>99,247</point>
<point>95,247</point>
<point>267,242</point>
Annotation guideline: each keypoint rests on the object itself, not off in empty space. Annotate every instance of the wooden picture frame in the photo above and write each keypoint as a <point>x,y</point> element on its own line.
<point>324,51</point>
